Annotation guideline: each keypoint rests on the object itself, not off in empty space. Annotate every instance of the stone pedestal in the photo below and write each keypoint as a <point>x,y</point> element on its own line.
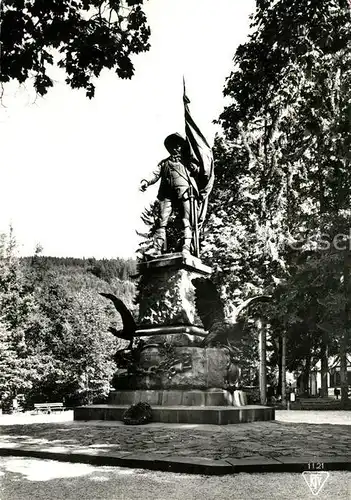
<point>178,361</point>
<point>166,293</point>
<point>183,381</point>
<point>167,367</point>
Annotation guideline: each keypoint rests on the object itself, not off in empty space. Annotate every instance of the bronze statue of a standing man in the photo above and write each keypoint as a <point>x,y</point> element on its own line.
<point>178,184</point>
<point>187,177</point>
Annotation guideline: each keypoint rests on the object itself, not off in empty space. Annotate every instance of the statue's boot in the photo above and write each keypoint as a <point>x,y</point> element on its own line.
<point>151,252</point>
<point>187,238</point>
<point>159,240</point>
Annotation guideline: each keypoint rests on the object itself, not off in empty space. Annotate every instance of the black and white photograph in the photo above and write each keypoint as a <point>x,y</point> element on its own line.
<point>175,249</point>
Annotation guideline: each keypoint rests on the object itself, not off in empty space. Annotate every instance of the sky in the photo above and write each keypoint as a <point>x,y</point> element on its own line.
<point>71,167</point>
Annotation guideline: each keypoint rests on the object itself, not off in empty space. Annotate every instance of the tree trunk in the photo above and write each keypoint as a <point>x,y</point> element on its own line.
<point>262,357</point>
<point>306,375</point>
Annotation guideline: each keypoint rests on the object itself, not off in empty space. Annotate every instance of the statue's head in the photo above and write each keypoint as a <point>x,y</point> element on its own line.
<point>175,143</point>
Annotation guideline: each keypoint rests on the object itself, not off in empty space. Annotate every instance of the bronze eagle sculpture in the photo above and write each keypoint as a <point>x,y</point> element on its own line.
<point>129,325</point>
<point>222,330</point>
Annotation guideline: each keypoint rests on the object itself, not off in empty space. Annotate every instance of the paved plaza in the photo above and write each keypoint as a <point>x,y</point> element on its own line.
<point>293,434</point>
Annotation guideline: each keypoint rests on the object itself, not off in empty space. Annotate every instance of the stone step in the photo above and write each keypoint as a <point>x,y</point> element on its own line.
<point>218,415</point>
<point>315,405</point>
<point>318,400</point>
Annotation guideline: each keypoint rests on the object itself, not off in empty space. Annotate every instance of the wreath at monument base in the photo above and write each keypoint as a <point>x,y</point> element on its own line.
<point>140,413</point>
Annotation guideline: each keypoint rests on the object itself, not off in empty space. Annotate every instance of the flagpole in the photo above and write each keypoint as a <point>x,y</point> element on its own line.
<point>194,222</point>
<point>196,230</point>
<point>190,129</point>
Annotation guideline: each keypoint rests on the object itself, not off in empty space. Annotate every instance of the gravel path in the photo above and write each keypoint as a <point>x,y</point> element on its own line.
<point>28,478</point>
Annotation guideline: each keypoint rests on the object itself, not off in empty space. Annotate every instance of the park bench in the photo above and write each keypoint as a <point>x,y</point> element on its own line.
<point>48,407</point>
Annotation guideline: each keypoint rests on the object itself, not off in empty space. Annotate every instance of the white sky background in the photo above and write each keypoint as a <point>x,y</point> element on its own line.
<point>71,167</point>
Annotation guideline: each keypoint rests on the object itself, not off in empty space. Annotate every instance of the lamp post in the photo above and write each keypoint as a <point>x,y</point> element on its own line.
<point>283,376</point>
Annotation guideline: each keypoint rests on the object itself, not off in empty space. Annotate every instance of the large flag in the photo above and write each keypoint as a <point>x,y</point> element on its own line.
<point>201,152</point>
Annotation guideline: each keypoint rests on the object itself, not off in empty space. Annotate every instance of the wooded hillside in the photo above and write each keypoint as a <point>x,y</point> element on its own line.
<point>54,338</point>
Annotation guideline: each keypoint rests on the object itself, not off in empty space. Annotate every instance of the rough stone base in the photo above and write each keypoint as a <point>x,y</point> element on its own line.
<point>217,415</point>
<point>166,292</point>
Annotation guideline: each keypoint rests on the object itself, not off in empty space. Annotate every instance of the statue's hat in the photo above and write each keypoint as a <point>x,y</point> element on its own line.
<point>173,139</point>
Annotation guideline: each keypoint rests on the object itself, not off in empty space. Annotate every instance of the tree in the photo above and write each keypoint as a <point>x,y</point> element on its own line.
<point>80,347</point>
<point>92,347</point>
<point>283,165</point>
<point>81,36</point>
<point>17,310</point>
<point>55,342</point>
<point>71,336</point>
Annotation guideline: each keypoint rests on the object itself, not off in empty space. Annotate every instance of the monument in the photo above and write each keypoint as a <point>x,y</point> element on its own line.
<point>180,359</point>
